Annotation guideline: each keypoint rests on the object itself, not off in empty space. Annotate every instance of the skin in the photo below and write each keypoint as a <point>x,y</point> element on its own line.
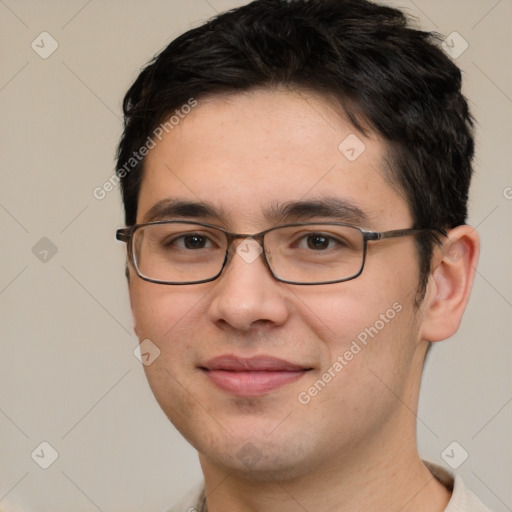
<point>357,435</point>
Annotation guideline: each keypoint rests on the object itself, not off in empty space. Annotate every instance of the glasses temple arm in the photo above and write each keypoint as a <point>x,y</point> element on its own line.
<point>395,233</point>
<point>124,234</point>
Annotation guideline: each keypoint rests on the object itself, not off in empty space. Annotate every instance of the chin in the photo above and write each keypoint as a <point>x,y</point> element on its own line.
<point>261,460</point>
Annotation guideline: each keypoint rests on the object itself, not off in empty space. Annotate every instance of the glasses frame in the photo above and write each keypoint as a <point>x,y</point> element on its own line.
<point>126,235</point>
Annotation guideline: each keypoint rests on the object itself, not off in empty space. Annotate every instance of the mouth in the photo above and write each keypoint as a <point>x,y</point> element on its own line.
<point>253,376</point>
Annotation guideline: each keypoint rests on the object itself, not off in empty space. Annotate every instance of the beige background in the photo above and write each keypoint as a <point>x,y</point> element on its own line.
<point>67,372</point>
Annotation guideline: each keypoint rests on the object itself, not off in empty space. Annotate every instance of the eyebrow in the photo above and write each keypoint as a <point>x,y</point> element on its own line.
<point>167,209</point>
<point>327,208</point>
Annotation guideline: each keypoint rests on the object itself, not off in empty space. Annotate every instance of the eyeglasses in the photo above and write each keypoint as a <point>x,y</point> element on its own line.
<point>187,252</point>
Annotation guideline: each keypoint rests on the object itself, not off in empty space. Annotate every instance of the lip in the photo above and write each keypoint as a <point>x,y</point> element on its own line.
<point>252,376</point>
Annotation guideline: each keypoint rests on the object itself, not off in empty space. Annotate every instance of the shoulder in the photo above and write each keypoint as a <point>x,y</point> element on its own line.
<point>462,499</point>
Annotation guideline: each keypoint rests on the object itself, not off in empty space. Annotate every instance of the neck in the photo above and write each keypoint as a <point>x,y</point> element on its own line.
<point>394,480</point>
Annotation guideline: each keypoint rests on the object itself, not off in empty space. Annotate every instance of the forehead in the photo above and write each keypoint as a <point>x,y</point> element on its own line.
<point>247,154</point>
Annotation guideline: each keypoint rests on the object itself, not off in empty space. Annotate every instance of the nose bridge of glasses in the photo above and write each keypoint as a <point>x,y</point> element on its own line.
<point>237,240</point>
<point>248,248</point>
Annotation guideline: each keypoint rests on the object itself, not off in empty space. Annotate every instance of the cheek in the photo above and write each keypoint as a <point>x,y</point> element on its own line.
<point>340,312</point>
<point>170,318</point>
<point>368,347</point>
<point>159,310</point>
<point>174,320</point>
<point>368,327</point>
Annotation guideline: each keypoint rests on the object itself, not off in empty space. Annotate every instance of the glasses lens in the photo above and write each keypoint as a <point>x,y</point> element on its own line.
<point>315,253</point>
<point>178,252</point>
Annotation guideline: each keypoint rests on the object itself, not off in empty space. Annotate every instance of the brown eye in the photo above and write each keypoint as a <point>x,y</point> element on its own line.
<point>317,242</point>
<point>194,242</point>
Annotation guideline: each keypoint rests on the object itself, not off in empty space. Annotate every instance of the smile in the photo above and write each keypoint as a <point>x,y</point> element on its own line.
<point>247,377</point>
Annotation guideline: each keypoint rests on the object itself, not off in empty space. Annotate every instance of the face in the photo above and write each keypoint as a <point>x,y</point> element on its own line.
<point>322,365</point>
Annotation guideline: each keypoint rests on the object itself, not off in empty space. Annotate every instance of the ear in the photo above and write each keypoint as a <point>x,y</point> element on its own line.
<point>449,286</point>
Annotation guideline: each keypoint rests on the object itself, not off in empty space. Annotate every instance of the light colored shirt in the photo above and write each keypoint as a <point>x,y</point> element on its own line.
<point>462,499</point>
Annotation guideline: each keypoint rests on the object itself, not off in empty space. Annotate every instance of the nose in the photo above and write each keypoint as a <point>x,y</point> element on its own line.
<point>246,295</point>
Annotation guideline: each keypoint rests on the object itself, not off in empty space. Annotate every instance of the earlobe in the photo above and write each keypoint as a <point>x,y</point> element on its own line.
<point>450,283</point>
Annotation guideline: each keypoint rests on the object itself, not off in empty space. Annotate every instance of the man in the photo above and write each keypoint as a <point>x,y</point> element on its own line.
<point>295,178</point>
